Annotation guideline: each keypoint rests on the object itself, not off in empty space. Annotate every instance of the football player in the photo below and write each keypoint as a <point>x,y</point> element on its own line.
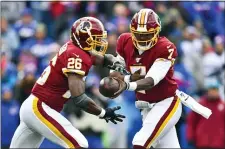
<point>150,58</point>
<point>61,81</point>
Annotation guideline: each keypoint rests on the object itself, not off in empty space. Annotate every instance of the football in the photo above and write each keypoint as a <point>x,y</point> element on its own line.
<point>108,86</point>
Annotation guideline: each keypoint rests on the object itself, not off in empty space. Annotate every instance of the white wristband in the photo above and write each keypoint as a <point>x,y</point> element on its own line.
<point>102,114</point>
<point>132,86</point>
<point>127,78</point>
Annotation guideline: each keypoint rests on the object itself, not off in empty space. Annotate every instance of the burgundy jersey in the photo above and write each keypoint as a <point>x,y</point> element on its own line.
<point>52,86</point>
<point>164,49</point>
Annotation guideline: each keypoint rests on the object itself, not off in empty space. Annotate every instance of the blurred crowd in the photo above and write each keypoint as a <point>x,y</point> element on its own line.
<point>32,32</point>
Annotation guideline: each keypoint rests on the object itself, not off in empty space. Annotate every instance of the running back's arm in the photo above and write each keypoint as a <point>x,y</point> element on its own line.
<point>77,89</point>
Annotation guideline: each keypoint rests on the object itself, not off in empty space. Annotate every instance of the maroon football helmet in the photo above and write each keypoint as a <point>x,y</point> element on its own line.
<point>89,34</point>
<point>145,27</point>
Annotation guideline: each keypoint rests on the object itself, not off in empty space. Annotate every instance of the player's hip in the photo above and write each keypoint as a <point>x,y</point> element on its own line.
<point>152,99</point>
<point>53,100</point>
<point>44,120</point>
<point>141,104</point>
<point>171,104</point>
<point>33,111</point>
<point>32,108</point>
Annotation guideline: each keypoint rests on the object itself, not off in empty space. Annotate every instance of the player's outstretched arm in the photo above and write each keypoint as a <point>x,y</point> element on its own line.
<point>111,62</point>
<point>77,89</point>
<point>127,78</point>
<point>156,73</point>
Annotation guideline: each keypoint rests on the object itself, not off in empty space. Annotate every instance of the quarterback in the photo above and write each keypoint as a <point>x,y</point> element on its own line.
<point>150,58</point>
<point>61,81</point>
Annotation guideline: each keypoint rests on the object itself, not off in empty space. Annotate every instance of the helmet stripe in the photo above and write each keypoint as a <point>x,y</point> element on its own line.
<point>139,18</point>
<point>146,17</point>
<point>142,18</point>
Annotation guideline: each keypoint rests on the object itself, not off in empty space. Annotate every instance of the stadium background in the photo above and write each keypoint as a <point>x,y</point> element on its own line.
<point>31,33</point>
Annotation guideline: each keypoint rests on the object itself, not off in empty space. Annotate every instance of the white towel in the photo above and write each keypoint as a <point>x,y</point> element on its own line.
<point>194,105</point>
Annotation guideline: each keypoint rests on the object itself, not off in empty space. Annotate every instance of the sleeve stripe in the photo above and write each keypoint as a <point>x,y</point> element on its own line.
<point>80,72</point>
<point>161,59</point>
<point>165,60</point>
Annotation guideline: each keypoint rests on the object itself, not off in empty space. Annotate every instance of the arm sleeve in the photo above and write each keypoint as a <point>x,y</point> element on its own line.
<point>159,70</point>
<point>163,63</point>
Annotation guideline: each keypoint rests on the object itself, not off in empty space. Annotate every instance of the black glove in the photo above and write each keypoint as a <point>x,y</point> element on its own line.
<point>117,66</point>
<point>110,115</point>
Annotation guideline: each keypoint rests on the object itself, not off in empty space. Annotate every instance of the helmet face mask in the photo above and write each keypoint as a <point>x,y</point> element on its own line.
<point>88,33</point>
<point>145,27</point>
<point>99,44</point>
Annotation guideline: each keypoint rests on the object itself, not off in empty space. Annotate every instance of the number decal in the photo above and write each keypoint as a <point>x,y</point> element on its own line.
<point>71,62</point>
<point>78,62</point>
<point>171,53</point>
<point>74,63</point>
<point>133,69</point>
<point>63,48</point>
<point>54,59</point>
<point>44,76</point>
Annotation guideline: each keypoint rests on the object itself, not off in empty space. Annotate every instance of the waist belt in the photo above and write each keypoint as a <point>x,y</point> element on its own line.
<point>143,104</point>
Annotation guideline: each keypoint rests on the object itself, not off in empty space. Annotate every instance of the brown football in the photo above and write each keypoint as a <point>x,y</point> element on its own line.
<point>108,86</point>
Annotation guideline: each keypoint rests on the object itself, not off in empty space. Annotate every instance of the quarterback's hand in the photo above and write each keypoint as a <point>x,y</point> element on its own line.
<point>110,115</point>
<point>136,76</point>
<point>117,66</point>
<point>122,87</point>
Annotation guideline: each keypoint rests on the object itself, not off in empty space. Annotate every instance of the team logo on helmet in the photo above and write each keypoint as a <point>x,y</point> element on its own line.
<point>84,27</point>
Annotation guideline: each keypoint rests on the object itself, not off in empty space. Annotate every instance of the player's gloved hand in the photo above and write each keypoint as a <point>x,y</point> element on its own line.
<point>110,115</point>
<point>122,87</point>
<point>136,76</point>
<point>117,66</point>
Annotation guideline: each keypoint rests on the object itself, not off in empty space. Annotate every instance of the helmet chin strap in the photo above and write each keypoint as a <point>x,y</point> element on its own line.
<point>77,41</point>
<point>89,33</point>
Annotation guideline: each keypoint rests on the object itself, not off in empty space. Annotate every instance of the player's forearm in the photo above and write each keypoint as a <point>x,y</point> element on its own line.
<point>157,72</point>
<point>107,59</point>
<point>144,84</point>
<point>92,108</point>
<point>80,99</point>
<point>126,78</point>
<point>141,82</point>
<point>87,104</point>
